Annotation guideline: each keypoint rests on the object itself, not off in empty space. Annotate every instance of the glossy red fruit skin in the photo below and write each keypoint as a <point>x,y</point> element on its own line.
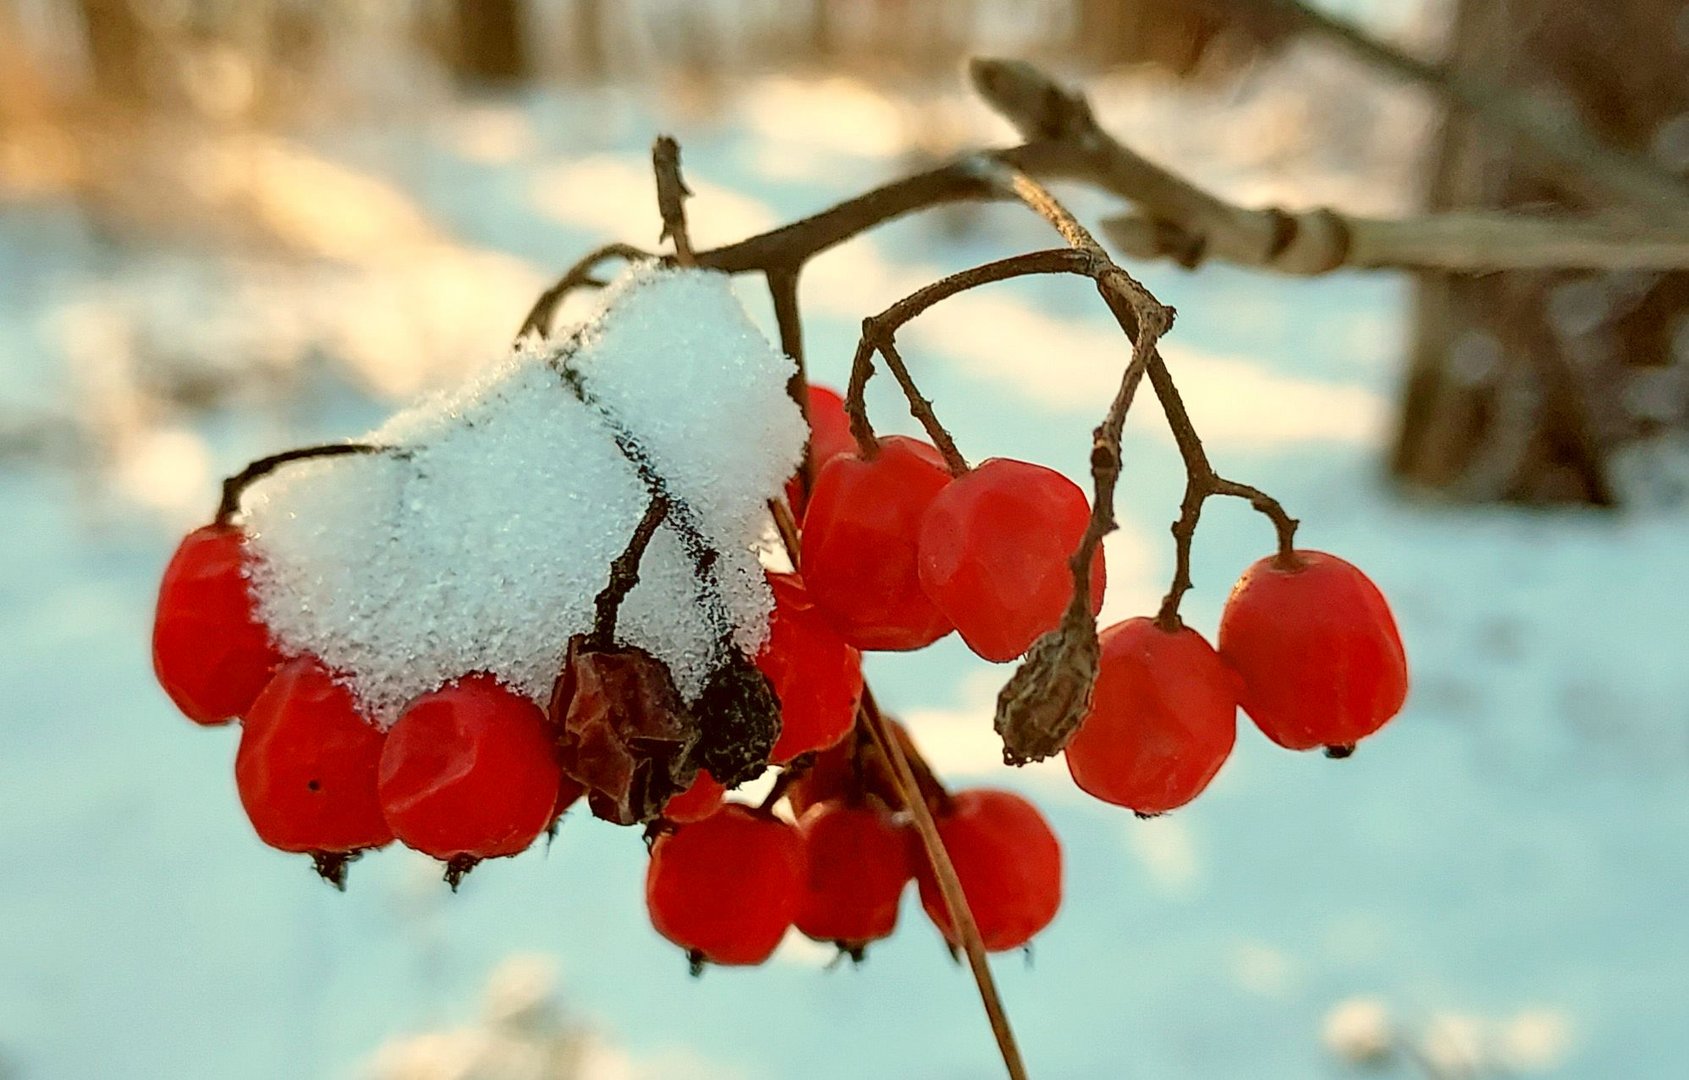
<point>470,771</point>
<point>1009,862</point>
<point>994,551</point>
<point>815,673</point>
<point>211,653</point>
<point>726,888</point>
<point>860,539</point>
<point>859,860</point>
<point>307,765</point>
<point>829,436</point>
<point>1162,721</point>
<point>1317,649</point>
<point>696,803</point>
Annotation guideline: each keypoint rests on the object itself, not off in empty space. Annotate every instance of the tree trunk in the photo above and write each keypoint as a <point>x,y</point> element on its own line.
<point>491,41</point>
<point>116,51</point>
<point>1522,385</point>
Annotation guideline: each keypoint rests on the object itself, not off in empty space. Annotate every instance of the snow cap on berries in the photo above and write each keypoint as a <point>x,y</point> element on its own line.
<point>480,541</point>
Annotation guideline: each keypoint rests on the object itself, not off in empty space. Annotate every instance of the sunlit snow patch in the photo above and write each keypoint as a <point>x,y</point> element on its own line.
<point>480,541</point>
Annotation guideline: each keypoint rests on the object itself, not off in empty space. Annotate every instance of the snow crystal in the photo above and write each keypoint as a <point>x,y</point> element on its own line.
<point>479,541</point>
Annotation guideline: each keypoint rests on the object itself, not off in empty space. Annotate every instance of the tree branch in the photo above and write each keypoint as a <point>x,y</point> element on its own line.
<point>1188,224</point>
<point>578,276</point>
<point>1603,173</point>
<point>671,198</point>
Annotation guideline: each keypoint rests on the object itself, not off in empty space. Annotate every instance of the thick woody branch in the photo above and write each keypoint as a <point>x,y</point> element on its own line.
<point>1604,174</point>
<point>1179,220</point>
<point>1466,241</point>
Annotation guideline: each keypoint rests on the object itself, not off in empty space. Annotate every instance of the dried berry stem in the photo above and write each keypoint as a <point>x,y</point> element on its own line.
<point>624,573</point>
<point>1145,320</point>
<point>949,885</point>
<point>879,334</point>
<point>235,486</point>
<point>579,276</point>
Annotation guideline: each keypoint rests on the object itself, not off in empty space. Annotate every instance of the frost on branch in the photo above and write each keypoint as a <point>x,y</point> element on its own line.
<point>479,541</point>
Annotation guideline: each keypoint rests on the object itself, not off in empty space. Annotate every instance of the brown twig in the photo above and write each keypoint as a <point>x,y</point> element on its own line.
<point>235,486</point>
<point>671,198</point>
<point>578,276</point>
<point>624,573</point>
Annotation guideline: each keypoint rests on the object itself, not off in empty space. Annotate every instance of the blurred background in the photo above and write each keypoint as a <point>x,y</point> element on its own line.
<point>231,228</point>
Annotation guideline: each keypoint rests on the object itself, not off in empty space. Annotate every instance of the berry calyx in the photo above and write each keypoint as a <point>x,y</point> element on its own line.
<point>697,802</point>
<point>1009,862</point>
<point>1162,720</point>
<point>816,675</point>
<point>860,543</point>
<point>307,765</point>
<point>469,772</point>
<point>210,652</point>
<point>859,861</point>
<point>726,888</point>
<point>829,436</point>
<point>994,551</point>
<point>1317,648</point>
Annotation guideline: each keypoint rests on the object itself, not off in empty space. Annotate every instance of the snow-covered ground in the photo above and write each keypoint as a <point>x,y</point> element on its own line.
<point>1504,866</point>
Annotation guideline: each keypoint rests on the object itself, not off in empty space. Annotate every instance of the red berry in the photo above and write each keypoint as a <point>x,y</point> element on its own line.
<point>307,764</point>
<point>831,776</point>
<point>859,861</point>
<point>726,888</point>
<point>859,545</point>
<point>815,674</point>
<point>1317,648</point>
<point>829,436</point>
<point>696,803</point>
<point>1009,863</point>
<point>210,652</point>
<point>1163,718</point>
<point>470,772</point>
<point>994,549</point>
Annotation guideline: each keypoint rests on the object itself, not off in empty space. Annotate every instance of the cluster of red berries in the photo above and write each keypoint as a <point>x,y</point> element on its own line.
<point>895,550</point>
<point>468,772</point>
<point>727,887</point>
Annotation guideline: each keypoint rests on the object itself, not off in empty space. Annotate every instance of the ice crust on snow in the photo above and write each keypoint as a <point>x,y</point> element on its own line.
<point>481,540</point>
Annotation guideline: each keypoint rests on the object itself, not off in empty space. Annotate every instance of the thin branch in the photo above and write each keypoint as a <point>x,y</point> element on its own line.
<point>783,293</point>
<point>949,884</point>
<point>671,198</point>
<point>624,573</point>
<point>879,332</point>
<point>1602,172</point>
<point>235,486</point>
<point>579,276</point>
<point>792,245</point>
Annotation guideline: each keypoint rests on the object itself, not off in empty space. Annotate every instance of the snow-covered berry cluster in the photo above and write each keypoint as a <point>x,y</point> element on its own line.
<point>610,570</point>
